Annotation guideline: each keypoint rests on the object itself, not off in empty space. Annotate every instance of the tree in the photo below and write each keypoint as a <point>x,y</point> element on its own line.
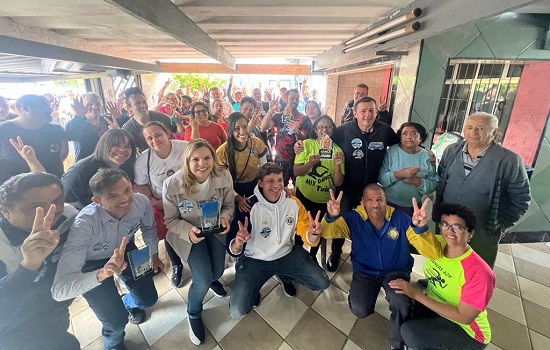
<point>196,81</point>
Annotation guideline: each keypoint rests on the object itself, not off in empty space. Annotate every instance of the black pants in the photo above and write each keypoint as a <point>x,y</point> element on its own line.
<point>313,208</point>
<point>349,201</point>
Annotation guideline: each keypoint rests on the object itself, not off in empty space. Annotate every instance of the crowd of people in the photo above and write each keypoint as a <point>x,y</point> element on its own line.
<point>209,176</point>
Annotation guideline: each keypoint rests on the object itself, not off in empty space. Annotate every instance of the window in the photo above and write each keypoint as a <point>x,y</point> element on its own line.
<point>474,86</point>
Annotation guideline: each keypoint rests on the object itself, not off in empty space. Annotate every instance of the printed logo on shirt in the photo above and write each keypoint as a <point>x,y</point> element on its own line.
<point>55,147</point>
<point>265,232</point>
<point>356,143</point>
<point>436,276</point>
<point>289,219</point>
<point>393,233</point>
<point>100,247</point>
<point>376,145</point>
<point>133,229</point>
<point>185,206</point>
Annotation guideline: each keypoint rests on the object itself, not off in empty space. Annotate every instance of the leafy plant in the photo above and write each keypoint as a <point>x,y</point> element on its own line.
<point>196,80</point>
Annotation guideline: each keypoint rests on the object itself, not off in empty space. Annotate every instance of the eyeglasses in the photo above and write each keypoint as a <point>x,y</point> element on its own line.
<point>456,228</point>
<point>326,127</point>
<point>201,111</point>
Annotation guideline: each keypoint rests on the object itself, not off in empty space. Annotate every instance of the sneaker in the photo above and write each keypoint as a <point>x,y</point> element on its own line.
<point>196,330</point>
<point>136,315</point>
<point>332,262</point>
<point>288,287</point>
<point>258,300</point>
<point>175,280</point>
<point>218,289</point>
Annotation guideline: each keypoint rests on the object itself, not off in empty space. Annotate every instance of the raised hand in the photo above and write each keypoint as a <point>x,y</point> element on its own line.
<point>242,235</point>
<point>25,151</point>
<point>167,82</point>
<point>293,126</point>
<point>314,225</point>
<point>383,105</point>
<point>420,215</point>
<point>274,105</point>
<point>333,205</point>
<point>298,147</point>
<point>113,110</point>
<point>41,241</point>
<point>112,123</point>
<point>116,263</point>
<point>339,158</point>
<point>78,106</point>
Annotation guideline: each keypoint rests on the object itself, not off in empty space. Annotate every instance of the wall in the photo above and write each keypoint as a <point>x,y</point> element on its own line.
<point>508,36</point>
<point>404,81</point>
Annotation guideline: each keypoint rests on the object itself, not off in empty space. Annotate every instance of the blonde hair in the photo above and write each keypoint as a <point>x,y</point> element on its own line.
<point>189,179</point>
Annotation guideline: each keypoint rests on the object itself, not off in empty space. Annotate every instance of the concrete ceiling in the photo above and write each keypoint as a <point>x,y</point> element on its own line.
<point>151,30</point>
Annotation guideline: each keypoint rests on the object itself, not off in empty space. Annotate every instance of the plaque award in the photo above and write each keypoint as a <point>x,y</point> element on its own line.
<point>141,263</point>
<point>210,217</point>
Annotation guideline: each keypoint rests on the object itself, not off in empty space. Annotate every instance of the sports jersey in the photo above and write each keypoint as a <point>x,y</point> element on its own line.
<point>247,161</point>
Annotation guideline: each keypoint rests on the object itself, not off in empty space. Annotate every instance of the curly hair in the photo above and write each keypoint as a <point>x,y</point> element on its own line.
<point>455,209</point>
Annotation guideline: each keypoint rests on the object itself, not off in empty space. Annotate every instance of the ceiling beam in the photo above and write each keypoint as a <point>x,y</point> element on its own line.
<point>21,47</point>
<point>214,68</point>
<point>437,17</point>
<point>167,17</point>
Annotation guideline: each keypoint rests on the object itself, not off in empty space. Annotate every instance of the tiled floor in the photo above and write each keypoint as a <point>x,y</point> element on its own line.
<point>519,313</point>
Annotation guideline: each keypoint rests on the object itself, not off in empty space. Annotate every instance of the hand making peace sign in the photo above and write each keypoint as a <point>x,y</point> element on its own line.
<point>242,235</point>
<point>42,240</point>
<point>116,263</point>
<point>333,205</point>
<point>420,215</point>
<point>314,226</point>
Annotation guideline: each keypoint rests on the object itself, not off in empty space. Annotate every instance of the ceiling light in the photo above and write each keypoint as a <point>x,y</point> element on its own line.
<point>409,28</point>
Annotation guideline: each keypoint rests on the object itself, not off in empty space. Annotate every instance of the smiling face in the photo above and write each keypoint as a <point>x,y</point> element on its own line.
<point>451,223</point>
<point>247,109</point>
<point>120,153</point>
<point>201,162</point>
<point>478,131</point>
<point>293,99</point>
<point>257,94</point>
<point>201,114</point>
<point>272,186</point>
<point>374,201</point>
<point>172,100</point>
<point>138,105</point>
<point>366,115</point>
<point>359,93</point>
<point>324,127</point>
<point>216,93</point>
<point>93,105</point>
<point>23,212</point>
<point>157,139</point>
<point>240,132</point>
<point>117,200</point>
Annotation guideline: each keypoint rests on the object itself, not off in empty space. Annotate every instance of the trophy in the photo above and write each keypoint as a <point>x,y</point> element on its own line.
<point>209,217</point>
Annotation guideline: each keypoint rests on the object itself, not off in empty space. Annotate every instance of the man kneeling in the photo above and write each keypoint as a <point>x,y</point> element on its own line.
<point>87,264</point>
<point>263,240</point>
<point>380,237</point>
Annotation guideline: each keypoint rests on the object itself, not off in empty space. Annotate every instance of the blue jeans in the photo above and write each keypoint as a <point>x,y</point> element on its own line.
<point>251,274</point>
<point>207,263</point>
<point>112,310</point>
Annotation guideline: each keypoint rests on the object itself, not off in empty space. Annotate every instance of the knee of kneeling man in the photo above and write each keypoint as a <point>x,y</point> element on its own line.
<point>237,312</point>
<point>361,312</point>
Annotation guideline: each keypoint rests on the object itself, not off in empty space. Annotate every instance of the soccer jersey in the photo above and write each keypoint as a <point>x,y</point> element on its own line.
<point>467,279</point>
<point>247,161</point>
<point>315,184</point>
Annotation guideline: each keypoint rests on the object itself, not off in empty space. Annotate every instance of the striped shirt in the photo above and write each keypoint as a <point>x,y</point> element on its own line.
<point>470,163</point>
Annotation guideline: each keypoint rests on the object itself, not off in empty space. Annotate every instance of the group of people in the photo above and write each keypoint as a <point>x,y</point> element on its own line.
<point>211,183</point>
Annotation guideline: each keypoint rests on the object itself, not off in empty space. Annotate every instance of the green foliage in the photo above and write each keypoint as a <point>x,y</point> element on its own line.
<point>196,80</point>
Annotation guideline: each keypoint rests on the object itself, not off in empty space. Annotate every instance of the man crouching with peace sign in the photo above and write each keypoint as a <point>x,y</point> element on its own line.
<point>380,237</point>
<point>263,241</point>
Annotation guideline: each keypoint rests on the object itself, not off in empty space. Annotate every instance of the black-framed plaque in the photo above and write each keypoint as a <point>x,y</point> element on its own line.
<point>210,217</point>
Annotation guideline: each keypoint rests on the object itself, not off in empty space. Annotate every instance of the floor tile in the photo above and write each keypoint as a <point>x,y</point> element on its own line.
<point>285,346</point>
<point>169,311</point>
<point>507,305</point>
<point>506,262</point>
<point>506,280</point>
<point>78,305</point>
<point>216,317</point>
<point>539,341</point>
<point>371,332</point>
<point>505,248</point>
<point>252,333</point>
<point>307,296</point>
<point>506,333</point>
<point>162,283</point>
<point>531,255</point>
<point>276,304</point>
<point>178,338</point>
<point>492,346</point>
<point>313,332</point>
<point>134,338</point>
<point>351,346</point>
<point>382,307</point>
<point>537,317</point>
<point>342,279</point>
<point>332,304</point>
<point>535,292</point>
<point>532,271</point>
<point>86,327</point>
<point>538,246</point>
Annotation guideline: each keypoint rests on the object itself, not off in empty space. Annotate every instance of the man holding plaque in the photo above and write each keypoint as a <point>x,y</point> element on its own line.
<point>263,241</point>
<point>100,244</point>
